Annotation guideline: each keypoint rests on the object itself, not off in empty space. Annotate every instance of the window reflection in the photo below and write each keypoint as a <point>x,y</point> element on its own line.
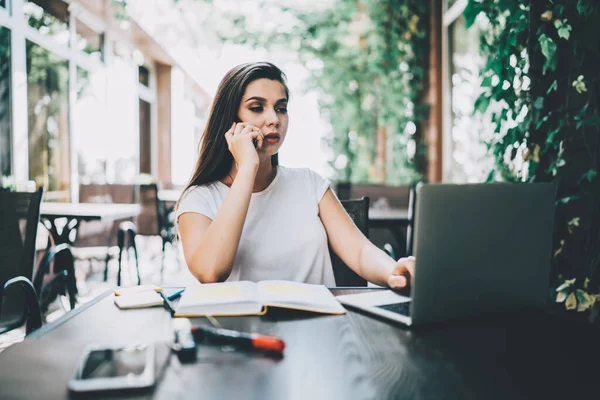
<point>47,101</point>
<point>88,127</point>
<point>5,141</point>
<point>88,40</point>
<point>49,17</point>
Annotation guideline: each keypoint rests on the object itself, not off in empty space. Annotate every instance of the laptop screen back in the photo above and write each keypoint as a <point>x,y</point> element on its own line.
<point>480,248</point>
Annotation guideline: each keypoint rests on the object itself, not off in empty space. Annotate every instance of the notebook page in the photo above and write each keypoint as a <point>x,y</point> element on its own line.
<point>298,295</point>
<point>148,298</point>
<point>226,297</point>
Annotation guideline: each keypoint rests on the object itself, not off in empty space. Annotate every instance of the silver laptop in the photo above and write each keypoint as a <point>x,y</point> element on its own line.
<point>478,248</point>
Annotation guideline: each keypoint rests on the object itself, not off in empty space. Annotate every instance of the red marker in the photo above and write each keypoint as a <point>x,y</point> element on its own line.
<point>238,339</point>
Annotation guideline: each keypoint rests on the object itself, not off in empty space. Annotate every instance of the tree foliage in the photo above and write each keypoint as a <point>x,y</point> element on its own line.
<point>367,61</point>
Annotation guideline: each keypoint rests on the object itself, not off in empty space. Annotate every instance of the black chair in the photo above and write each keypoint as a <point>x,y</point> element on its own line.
<point>343,190</point>
<point>359,212</point>
<point>55,275</point>
<point>20,215</point>
<point>125,230</point>
<point>125,241</point>
<point>155,219</point>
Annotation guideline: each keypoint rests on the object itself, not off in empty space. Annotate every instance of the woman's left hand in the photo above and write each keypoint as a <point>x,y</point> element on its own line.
<point>402,273</point>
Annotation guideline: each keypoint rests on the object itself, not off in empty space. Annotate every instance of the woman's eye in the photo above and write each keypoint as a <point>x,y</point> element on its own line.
<point>256,109</point>
<point>282,110</point>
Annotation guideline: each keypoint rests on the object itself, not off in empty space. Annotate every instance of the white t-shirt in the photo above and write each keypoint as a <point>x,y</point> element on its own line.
<point>283,236</point>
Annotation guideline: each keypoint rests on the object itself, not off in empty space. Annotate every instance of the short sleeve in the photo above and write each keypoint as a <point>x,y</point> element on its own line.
<point>319,185</point>
<point>199,200</point>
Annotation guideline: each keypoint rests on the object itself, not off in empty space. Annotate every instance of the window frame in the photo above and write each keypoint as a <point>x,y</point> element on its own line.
<point>449,16</point>
<point>13,18</point>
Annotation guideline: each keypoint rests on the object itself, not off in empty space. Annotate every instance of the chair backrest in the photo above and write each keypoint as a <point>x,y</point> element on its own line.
<point>103,233</point>
<point>343,190</point>
<point>153,217</point>
<point>19,218</point>
<point>358,210</point>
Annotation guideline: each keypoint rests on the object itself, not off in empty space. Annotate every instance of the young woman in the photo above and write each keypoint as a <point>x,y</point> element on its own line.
<point>243,217</point>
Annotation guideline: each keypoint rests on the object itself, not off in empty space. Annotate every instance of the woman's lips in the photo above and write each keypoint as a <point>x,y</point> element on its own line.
<point>271,139</point>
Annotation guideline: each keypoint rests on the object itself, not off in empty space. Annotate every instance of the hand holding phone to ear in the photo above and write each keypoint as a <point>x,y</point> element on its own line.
<point>244,141</point>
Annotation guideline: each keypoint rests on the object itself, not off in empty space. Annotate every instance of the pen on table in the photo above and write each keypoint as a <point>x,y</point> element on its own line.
<point>167,300</point>
<point>176,294</point>
<point>238,339</point>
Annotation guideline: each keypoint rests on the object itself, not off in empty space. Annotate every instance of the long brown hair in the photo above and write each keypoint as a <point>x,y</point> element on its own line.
<point>214,159</point>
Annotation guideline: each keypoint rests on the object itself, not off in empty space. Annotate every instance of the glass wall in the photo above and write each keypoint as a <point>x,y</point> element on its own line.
<point>5,136</point>
<point>48,122</point>
<point>89,116</point>
<point>88,41</point>
<point>49,17</point>
<point>122,162</point>
<point>89,127</point>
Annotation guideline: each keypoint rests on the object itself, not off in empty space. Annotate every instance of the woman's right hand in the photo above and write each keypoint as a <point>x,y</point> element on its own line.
<point>240,140</point>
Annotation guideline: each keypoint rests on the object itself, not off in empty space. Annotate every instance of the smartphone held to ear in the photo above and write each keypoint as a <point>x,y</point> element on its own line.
<point>115,368</point>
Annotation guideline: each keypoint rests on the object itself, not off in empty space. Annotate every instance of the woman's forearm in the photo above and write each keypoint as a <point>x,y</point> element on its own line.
<point>213,259</point>
<point>375,265</point>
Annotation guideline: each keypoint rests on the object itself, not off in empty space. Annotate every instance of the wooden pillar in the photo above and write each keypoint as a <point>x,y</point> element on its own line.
<point>433,126</point>
<point>163,96</point>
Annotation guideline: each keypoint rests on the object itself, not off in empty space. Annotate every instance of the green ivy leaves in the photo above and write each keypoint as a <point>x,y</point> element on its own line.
<point>579,85</point>
<point>561,128</point>
<point>549,51</point>
<point>564,29</point>
<point>573,298</point>
<point>585,8</point>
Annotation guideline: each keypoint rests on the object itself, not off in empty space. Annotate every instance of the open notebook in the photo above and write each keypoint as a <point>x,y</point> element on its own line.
<point>249,298</point>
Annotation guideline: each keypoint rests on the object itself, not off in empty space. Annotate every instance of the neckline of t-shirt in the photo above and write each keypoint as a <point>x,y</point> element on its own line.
<point>268,188</point>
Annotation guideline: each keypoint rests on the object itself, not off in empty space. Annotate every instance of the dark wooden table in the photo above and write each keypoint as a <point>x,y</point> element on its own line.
<point>525,355</point>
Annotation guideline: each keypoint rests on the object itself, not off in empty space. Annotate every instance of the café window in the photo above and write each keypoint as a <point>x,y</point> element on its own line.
<point>49,17</point>
<point>89,126</point>
<point>121,133</point>
<point>5,128</point>
<point>48,122</point>
<point>87,40</point>
<point>144,76</point>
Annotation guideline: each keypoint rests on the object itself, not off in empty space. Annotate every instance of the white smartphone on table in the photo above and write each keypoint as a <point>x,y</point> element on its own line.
<point>104,368</point>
